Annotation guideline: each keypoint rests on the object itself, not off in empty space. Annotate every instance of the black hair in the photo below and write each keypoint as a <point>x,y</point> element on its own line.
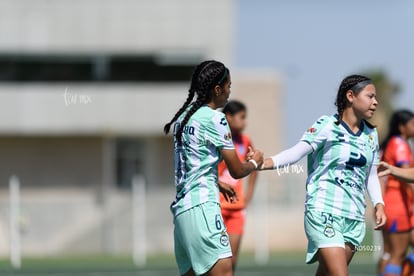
<point>398,118</point>
<point>233,107</point>
<point>350,83</point>
<point>205,77</point>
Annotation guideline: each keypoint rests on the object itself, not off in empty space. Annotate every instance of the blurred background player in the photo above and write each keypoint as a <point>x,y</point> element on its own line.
<point>202,139</point>
<point>402,174</point>
<point>398,232</point>
<point>343,154</point>
<point>234,213</point>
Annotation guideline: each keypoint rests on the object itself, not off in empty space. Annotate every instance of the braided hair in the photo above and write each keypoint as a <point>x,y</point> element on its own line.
<point>349,83</point>
<point>205,77</point>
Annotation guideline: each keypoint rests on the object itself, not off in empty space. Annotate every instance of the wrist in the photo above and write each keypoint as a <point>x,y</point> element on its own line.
<point>379,205</point>
<point>254,163</point>
<point>393,171</point>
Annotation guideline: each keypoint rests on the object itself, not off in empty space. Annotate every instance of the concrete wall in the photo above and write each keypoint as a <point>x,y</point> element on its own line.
<point>262,92</point>
<point>62,162</point>
<point>171,28</point>
<point>73,109</point>
<point>51,161</point>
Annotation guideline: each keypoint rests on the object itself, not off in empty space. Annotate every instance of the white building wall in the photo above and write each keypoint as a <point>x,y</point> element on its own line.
<point>81,109</point>
<point>176,27</point>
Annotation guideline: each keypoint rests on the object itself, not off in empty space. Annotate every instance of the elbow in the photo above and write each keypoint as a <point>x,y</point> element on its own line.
<point>237,174</point>
<point>241,171</point>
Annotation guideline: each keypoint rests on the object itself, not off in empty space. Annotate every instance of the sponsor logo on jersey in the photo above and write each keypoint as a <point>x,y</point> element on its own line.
<point>356,160</point>
<point>312,130</point>
<point>352,185</point>
<point>329,231</point>
<point>227,136</point>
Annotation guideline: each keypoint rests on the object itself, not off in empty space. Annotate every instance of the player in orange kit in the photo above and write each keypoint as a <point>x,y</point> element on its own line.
<point>234,213</point>
<point>398,196</point>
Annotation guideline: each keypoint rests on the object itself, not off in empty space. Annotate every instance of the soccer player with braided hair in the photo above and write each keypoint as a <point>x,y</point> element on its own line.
<point>202,138</point>
<point>343,155</point>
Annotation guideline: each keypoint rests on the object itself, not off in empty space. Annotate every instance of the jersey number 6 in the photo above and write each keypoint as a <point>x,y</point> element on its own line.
<point>218,222</point>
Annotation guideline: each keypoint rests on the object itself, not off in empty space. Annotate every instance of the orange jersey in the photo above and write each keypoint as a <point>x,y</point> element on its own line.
<point>241,144</point>
<point>397,153</point>
<point>398,196</point>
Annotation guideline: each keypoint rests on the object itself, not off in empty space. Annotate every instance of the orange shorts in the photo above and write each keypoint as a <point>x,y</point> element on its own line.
<point>234,220</point>
<point>399,212</point>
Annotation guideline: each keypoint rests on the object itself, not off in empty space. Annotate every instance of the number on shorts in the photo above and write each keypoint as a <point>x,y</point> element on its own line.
<point>327,218</point>
<point>218,222</point>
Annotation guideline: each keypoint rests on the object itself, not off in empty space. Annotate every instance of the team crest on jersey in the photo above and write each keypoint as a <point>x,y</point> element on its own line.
<point>224,239</point>
<point>329,231</point>
<point>371,142</point>
<point>227,136</point>
<point>312,130</point>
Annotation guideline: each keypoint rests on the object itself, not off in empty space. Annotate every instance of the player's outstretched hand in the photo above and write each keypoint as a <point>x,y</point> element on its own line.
<point>230,195</point>
<point>256,155</point>
<point>380,218</point>
<point>384,169</point>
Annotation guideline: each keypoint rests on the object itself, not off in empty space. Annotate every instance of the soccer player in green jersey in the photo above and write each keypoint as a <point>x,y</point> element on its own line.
<point>343,155</point>
<point>202,138</point>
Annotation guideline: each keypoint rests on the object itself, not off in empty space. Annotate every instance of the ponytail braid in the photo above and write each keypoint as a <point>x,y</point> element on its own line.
<point>209,77</point>
<point>196,105</point>
<point>190,97</point>
<point>206,76</point>
<point>191,93</point>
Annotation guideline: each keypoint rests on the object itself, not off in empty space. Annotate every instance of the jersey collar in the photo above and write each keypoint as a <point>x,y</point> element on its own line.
<point>344,125</point>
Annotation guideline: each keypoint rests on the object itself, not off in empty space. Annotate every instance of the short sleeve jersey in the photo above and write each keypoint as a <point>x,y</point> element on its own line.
<point>196,159</point>
<point>398,153</point>
<point>339,167</point>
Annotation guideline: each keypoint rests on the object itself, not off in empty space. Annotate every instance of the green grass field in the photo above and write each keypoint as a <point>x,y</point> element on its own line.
<point>287,264</point>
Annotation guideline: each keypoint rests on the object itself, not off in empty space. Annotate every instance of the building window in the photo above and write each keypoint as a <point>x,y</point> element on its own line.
<point>93,68</point>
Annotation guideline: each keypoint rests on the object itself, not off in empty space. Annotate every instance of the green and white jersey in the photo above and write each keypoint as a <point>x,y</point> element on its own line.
<point>197,158</point>
<point>339,167</point>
